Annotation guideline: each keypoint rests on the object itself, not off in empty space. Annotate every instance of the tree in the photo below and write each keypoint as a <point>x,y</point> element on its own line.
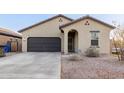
<point>118,41</point>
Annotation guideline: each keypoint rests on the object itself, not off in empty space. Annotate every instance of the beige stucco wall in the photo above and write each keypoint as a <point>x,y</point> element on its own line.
<point>48,29</point>
<point>84,35</point>
<point>76,42</point>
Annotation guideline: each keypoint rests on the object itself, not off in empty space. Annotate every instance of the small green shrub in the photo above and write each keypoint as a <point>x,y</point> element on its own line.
<point>1,52</point>
<point>92,52</point>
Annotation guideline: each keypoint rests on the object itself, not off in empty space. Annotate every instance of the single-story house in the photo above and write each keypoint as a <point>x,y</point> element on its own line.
<point>63,34</point>
<point>11,38</point>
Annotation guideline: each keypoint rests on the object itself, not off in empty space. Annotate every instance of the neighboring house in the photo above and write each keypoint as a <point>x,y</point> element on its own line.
<point>11,38</point>
<point>61,33</point>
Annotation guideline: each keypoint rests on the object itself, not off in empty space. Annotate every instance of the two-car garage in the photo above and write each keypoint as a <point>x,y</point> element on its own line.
<point>44,44</point>
<point>44,36</point>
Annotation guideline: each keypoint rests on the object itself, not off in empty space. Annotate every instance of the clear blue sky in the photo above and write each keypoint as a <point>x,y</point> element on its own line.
<point>16,22</point>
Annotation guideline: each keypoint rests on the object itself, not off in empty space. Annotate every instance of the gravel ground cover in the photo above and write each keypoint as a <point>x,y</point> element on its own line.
<point>74,66</point>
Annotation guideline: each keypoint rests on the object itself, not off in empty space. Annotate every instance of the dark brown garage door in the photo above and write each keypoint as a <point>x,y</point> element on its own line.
<point>44,44</point>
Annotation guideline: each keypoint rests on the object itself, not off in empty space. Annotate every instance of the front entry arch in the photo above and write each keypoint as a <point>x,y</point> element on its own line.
<point>73,41</point>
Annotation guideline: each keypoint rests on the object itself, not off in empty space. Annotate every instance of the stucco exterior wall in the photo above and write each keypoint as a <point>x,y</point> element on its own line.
<point>48,29</point>
<point>76,42</point>
<point>84,35</point>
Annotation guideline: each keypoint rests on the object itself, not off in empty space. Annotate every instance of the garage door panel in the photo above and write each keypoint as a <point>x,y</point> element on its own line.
<point>44,44</point>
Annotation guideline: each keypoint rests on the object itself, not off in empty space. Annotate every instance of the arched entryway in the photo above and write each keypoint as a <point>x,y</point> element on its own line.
<point>73,41</point>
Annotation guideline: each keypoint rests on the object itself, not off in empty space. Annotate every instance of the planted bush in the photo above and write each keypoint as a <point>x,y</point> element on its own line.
<point>92,52</point>
<point>2,52</point>
<point>75,58</point>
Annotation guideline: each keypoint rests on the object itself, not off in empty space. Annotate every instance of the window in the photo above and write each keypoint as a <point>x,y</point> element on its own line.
<point>94,38</point>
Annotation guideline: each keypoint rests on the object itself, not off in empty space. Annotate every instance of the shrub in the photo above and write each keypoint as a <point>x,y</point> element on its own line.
<point>92,52</point>
<point>75,58</point>
<point>1,52</point>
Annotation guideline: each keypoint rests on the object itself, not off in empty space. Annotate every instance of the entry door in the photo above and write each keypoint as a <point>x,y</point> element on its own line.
<point>70,44</point>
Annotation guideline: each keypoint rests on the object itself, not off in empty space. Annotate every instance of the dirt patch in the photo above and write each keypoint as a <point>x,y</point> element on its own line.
<point>103,67</point>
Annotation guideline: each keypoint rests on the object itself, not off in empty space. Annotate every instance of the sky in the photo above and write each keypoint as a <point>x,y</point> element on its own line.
<point>16,22</point>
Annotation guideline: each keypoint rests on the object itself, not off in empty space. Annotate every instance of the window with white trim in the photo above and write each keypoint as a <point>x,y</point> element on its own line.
<point>95,38</point>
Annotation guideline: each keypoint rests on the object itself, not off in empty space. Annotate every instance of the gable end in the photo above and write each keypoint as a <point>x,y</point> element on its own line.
<point>22,30</point>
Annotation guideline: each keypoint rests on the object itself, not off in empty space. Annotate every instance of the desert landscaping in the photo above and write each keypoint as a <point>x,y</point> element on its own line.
<point>75,66</point>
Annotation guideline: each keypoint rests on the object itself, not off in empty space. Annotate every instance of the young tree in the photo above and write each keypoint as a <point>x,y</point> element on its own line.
<point>118,41</point>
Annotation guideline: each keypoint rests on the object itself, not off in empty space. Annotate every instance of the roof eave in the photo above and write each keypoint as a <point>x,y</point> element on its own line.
<point>11,35</point>
<point>60,15</point>
<point>86,17</point>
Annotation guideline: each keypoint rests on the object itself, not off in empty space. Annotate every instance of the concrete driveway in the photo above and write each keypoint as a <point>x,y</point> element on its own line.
<point>31,65</point>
